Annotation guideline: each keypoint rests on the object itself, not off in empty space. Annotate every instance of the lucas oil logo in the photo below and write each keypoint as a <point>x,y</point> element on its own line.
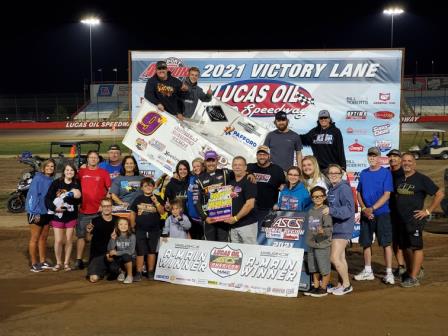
<point>265,98</point>
<point>225,261</point>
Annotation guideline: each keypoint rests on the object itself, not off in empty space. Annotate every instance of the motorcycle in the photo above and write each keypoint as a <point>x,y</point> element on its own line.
<point>16,202</point>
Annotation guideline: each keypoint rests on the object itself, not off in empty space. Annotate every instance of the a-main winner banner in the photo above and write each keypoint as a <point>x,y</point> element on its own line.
<point>238,267</point>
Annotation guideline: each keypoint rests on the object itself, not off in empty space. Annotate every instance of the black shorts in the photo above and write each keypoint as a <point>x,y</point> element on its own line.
<point>411,234</point>
<point>382,228</point>
<point>44,219</point>
<point>147,242</point>
<point>119,262</point>
<point>98,266</point>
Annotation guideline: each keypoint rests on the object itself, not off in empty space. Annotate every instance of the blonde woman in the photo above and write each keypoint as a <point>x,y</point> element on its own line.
<point>312,176</point>
<point>197,230</point>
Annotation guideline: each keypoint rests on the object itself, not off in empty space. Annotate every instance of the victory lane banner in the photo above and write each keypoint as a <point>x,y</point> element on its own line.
<point>238,267</point>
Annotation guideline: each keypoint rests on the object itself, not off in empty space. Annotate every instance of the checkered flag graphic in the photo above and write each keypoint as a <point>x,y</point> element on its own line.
<point>304,100</point>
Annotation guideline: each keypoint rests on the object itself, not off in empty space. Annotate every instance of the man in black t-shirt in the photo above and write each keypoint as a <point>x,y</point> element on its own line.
<point>269,178</point>
<point>396,169</point>
<point>99,233</point>
<point>145,219</point>
<point>411,192</point>
<point>243,223</point>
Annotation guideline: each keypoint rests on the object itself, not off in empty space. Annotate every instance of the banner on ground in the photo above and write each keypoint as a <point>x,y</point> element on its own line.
<point>238,267</point>
<point>286,229</point>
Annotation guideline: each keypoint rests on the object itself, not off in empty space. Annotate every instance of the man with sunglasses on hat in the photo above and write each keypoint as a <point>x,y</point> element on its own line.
<point>326,142</point>
<point>166,91</point>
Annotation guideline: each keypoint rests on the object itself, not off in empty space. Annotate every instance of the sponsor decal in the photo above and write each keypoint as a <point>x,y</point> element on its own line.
<point>356,115</point>
<point>384,115</point>
<point>264,98</point>
<point>356,147</point>
<point>263,178</point>
<point>351,130</point>
<point>243,138</point>
<point>286,228</point>
<point>150,122</point>
<point>383,145</point>
<point>357,101</point>
<point>157,145</point>
<point>225,261</point>
<point>384,98</point>
<point>384,160</point>
<point>249,127</point>
<point>215,113</point>
<point>105,90</point>
<point>381,129</point>
<point>163,277</point>
<point>141,144</point>
<point>175,66</point>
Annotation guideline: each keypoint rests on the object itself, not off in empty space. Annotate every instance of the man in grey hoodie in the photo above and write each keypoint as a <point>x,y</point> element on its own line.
<point>195,92</point>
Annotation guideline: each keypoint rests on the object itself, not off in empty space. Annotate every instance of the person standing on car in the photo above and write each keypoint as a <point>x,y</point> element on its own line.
<point>95,184</point>
<point>165,91</point>
<point>38,217</point>
<point>195,92</point>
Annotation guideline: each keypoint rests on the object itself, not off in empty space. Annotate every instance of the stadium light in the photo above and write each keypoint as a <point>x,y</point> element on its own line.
<point>91,21</point>
<point>392,12</point>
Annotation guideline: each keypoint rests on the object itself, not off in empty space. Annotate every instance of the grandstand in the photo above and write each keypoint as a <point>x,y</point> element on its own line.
<point>424,96</point>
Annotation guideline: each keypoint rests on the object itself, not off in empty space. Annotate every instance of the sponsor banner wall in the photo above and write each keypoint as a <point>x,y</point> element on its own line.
<point>238,267</point>
<point>360,89</point>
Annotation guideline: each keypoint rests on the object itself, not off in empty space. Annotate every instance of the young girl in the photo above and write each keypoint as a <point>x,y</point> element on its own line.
<point>177,225</point>
<point>121,248</point>
<point>294,196</point>
<point>318,238</point>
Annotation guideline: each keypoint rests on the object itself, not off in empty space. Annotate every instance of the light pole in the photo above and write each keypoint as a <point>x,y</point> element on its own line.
<point>392,12</point>
<point>91,21</point>
<point>116,75</point>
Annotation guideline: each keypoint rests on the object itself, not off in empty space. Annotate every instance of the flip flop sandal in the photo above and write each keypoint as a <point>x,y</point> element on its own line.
<point>67,267</point>
<point>57,267</point>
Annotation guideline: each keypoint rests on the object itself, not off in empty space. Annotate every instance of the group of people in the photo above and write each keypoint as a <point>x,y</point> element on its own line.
<point>391,201</point>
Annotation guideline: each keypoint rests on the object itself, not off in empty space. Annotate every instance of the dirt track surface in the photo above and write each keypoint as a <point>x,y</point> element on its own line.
<point>50,303</point>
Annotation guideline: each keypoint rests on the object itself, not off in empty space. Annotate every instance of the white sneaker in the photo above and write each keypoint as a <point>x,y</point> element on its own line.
<point>364,275</point>
<point>330,290</point>
<point>121,276</point>
<point>389,279</point>
<point>128,280</point>
<point>343,290</point>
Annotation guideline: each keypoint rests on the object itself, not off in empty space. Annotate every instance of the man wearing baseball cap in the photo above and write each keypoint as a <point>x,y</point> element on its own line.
<point>285,145</point>
<point>166,91</point>
<point>326,142</point>
<point>113,163</point>
<point>395,168</point>
<point>374,188</point>
<point>215,231</point>
<point>269,177</point>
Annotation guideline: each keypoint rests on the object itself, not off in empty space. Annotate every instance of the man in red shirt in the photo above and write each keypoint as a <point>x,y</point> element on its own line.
<point>95,184</point>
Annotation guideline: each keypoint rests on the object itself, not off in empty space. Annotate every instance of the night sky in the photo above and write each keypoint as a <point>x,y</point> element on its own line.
<point>45,49</point>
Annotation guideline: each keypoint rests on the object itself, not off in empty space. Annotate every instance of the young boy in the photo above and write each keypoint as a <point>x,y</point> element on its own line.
<point>145,220</point>
<point>177,225</point>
